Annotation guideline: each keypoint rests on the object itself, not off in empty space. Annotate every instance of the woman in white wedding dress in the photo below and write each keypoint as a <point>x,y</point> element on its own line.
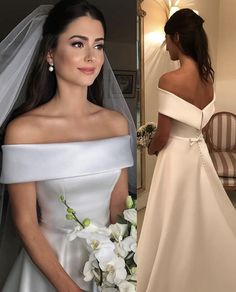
<point>62,141</point>
<point>188,238</point>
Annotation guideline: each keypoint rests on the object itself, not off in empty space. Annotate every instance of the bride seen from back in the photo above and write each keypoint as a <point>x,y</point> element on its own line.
<point>193,81</point>
<point>188,238</point>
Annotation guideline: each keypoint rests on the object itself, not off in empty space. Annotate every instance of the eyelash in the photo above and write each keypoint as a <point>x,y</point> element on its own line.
<point>100,46</point>
<point>77,43</point>
<point>81,45</point>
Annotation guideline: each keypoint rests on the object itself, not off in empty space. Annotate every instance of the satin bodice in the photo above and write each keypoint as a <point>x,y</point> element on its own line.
<point>187,119</point>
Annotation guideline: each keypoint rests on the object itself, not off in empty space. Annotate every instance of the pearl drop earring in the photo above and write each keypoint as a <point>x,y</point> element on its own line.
<point>51,68</point>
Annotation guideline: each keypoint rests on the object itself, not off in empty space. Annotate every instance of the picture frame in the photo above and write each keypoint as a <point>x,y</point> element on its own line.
<point>126,80</point>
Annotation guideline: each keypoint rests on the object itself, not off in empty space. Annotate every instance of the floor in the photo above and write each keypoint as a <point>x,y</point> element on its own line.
<point>141,213</point>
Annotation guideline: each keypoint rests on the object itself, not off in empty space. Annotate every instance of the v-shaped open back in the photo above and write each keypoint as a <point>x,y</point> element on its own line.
<point>180,110</point>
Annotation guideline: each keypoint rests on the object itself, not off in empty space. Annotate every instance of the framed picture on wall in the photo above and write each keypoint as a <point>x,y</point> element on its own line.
<point>126,81</point>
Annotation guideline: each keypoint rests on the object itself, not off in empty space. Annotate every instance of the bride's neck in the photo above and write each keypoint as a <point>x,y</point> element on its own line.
<point>71,100</point>
<point>186,61</point>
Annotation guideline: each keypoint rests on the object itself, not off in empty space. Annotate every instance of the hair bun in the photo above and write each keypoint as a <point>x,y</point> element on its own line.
<point>199,20</point>
<point>183,21</point>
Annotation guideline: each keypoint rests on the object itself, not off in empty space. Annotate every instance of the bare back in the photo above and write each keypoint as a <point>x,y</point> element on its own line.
<point>188,85</point>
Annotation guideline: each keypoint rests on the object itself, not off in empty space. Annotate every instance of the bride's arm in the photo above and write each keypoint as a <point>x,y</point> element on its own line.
<point>23,204</point>
<point>120,191</point>
<point>24,211</point>
<point>118,196</point>
<point>161,136</point>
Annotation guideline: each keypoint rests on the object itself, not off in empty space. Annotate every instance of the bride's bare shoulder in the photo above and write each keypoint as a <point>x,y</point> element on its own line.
<point>114,121</point>
<point>23,130</point>
<point>169,80</point>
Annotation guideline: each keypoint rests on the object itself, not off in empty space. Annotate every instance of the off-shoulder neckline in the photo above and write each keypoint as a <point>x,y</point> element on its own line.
<point>185,101</point>
<point>66,143</point>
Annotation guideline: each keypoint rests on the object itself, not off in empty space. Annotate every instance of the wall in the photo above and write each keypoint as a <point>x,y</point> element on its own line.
<point>209,11</point>
<point>226,58</point>
<point>122,56</point>
<point>154,21</point>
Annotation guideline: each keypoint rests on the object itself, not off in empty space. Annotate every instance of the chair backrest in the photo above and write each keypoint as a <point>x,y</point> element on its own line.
<point>221,132</point>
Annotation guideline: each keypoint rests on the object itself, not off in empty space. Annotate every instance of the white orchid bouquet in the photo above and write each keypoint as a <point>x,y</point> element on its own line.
<point>145,134</point>
<point>112,262</point>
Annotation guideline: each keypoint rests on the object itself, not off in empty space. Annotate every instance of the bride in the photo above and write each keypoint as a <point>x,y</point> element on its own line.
<point>64,141</point>
<point>188,238</point>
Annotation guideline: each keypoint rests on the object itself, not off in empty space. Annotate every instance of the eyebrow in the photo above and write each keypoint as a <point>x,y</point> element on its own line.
<point>86,38</point>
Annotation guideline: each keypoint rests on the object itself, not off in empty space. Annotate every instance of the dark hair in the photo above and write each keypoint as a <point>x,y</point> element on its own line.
<point>42,84</point>
<point>192,39</point>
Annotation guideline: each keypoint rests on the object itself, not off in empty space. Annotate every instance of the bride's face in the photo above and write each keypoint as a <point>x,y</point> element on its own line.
<point>79,54</point>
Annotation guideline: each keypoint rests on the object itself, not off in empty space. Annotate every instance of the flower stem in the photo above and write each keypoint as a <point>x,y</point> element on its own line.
<point>73,213</point>
<point>101,277</point>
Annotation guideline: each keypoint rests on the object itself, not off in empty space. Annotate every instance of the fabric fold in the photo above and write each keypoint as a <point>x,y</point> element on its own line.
<point>37,162</point>
<point>178,109</point>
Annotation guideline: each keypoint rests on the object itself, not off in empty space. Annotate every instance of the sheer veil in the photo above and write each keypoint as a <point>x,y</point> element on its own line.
<point>17,53</point>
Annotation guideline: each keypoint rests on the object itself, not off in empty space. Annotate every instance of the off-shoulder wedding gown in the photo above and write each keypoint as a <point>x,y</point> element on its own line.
<point>85,174</point>
<point>188,238</point>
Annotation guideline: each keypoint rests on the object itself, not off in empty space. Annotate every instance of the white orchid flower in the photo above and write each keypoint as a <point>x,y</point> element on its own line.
<point>115,270</point>
<point>126,286</point>
<point>118,230</point>
<point>131,216</point>
<point>89,268</point>
<point>129,244</point>
<point>104,251</point>
<point>94,230</point>
<point>98,241</point>
<point>119,250</point>
<point>75,232</point>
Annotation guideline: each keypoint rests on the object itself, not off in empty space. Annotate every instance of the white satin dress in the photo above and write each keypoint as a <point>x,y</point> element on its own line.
<point>85,173</point>
<point>188,239</point>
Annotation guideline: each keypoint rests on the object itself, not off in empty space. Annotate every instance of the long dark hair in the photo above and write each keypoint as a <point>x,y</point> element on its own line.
<point>193,40</point>
<point>42,84</point>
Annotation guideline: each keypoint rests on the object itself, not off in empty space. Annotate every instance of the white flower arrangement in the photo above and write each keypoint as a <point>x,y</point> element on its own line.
<point>112,262</point>
<point>145,134</point>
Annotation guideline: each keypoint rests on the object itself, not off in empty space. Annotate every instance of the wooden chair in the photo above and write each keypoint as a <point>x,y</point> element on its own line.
<point>220,136</point>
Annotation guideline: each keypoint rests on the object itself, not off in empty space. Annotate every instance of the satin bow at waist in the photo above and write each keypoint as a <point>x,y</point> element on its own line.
<point>191,140</point>
<point>196,140</point>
